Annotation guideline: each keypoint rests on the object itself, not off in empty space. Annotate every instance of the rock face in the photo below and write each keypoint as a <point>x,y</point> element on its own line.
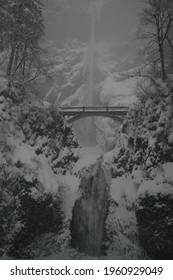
<point>35,145</point>
<point>90,210</point>
<point>155,224</point>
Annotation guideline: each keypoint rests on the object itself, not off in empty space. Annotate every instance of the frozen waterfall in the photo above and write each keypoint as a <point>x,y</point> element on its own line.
<point>90,210</point>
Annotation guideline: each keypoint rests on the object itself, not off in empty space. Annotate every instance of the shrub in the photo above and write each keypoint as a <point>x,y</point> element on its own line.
<point>155,223</point>
<point>26,213</point>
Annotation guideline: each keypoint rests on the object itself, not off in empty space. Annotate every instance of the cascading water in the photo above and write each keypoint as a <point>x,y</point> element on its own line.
<point>91,209</point>
<point>88,135</point>
<point>91,56</point>
<point>95,9</point>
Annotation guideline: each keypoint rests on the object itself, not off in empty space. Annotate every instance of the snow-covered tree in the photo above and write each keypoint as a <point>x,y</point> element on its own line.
<point>156,28</point>
<point>21,29</point>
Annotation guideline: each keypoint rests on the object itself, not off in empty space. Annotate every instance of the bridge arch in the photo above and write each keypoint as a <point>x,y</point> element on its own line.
<point>76,113</point>
<point>81,116</point>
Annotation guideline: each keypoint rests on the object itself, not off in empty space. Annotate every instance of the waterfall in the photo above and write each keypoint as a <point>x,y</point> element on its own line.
<point>87,95</point>
<point>91,58</point>
<point>90,210</point>
<point>95,10</point>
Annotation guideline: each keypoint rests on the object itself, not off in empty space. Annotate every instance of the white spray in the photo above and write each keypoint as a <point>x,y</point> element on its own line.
<point>95,11</point>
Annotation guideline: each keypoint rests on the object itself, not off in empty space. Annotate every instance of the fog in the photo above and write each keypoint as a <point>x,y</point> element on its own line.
<point>117,23</point>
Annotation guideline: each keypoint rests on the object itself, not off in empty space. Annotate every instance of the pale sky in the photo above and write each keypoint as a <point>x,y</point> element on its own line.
<point>118,20</point>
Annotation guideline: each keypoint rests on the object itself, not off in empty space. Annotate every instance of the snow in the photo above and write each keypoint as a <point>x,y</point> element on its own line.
<point>121,223</point>
<point>66,185</point>
<point>109,157</point>
<point>69,192</point>
<point>118,187</point>
<point>118,92</point>
<point>46,104</point>
<point>149,162</point>
<point>46,176</point>
<point>70,180</point>
<point>136,185</point>
<point>87,156</point>
<point>115,92</point>
<point>2,99</point>
<point>152,188</point>
<point>151,141</point>
<point>3,82</point>
<point>123,186</point>
<point>162,183</point>
<point>163,118</point>
<point>24,153</point>
<point>38,164</point>
<point>168,171</point>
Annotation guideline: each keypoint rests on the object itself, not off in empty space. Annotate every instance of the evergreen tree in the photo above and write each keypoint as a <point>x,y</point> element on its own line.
<point>5,21</point>
<point>21,29</point>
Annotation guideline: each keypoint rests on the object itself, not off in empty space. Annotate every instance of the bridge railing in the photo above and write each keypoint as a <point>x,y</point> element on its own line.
<point>94,108</point>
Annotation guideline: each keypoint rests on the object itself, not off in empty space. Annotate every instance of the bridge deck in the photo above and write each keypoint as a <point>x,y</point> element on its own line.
<point>111,110</point>
<point>116,113</point>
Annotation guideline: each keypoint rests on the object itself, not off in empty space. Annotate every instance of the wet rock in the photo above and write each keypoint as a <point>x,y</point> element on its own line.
<point>90,210</point>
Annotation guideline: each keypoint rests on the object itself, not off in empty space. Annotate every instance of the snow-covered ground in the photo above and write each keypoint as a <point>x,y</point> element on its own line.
<point>118,92</point>
<point>87,156</point>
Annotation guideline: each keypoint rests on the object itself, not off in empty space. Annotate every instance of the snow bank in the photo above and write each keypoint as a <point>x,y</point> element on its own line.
<point>118,92</point>
<point>162,183</point>
<point>123,187</point>
<point>87,156</point>
<point>66,185</point>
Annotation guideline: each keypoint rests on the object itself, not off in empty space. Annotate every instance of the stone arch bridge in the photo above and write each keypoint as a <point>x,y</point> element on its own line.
<point>76,113</point>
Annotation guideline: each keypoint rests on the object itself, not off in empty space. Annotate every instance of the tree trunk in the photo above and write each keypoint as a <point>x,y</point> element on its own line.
<point>23,70</point>
<point>160,41</point>
<point>10,63</point>
<point>171,46</point>
<point>162,61</point>
<point>16,56</point>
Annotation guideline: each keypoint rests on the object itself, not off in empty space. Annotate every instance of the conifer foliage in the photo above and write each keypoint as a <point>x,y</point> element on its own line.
<point>21,27</point>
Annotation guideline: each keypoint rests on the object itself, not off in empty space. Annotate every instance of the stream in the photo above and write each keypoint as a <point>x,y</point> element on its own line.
<point>103,223</point>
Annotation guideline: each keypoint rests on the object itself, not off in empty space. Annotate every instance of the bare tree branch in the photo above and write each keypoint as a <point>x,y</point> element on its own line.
<point>3,60</point>
<point>167,30</point>
<point>138,74</point>
<point>36,75</point>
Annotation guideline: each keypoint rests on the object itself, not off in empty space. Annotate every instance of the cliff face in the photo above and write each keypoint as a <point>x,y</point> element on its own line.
<point>149,129</point>
<point>35,146</point>
<point>90,210</point>
<point>146,157</point>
